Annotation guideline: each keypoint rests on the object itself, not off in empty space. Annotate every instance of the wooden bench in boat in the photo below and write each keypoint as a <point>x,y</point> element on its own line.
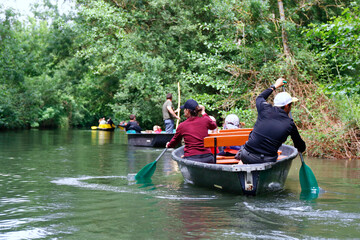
<point>238,130</point>
<point>222,140</point>
<point>229,133</point>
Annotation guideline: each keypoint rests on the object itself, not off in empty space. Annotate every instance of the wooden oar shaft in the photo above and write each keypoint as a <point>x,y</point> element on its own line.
<point>177,121</point>
<point>162,153</point>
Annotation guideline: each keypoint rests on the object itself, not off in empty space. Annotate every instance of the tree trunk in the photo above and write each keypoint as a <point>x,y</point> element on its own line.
<point>283,31</point>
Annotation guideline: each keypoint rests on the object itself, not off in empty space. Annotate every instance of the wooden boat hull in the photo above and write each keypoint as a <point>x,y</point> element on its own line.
<point>149,139</point>
<point>247,179</point>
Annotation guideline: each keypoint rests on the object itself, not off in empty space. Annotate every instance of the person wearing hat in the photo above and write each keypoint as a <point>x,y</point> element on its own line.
<point>194,129</point>
<point>231,122</point>
<point>131,125</point>
<point>272,128</point>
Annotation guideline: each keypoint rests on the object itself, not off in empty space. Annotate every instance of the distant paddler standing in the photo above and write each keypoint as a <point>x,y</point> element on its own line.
<point>169,114</point>
<point>178,108</point>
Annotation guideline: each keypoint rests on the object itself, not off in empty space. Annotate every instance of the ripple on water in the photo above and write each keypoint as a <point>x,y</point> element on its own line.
<point>127,187</point>
<point>298,210</point>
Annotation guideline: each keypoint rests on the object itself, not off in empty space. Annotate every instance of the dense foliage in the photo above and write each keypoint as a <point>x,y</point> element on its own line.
<point>113,58</point>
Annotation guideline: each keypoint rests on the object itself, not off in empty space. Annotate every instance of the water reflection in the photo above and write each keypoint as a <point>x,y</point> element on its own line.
<point>198,219</point>
<point>99,137</point>
<point>74,185</point>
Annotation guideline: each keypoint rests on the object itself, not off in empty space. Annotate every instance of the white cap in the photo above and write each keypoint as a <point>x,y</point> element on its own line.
<point>283,99</point>
<point>231,121</point>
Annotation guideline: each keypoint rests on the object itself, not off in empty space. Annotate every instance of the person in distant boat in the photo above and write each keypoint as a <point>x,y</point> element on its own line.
<point>194,129</point>
<point>272,128</point>
<point>131,125</point>
<point>157,129</point>
<point>109,121</point>
<point>169,114</point>
<point>102,120</point>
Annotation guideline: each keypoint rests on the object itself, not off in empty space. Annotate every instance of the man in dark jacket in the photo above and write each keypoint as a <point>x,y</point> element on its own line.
<point>132,124</point>
<point>272,128</point>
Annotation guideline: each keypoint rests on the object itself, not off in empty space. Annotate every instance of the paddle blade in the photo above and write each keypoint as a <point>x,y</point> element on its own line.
<point>147,171</point>
<point>307,179</point>
<point>94,127</point>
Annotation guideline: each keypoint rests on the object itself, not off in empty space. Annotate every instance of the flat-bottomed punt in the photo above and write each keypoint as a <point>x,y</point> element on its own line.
<point>158,140</point>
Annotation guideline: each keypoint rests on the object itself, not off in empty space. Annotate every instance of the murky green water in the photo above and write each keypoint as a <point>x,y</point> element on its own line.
<point>74,185</point>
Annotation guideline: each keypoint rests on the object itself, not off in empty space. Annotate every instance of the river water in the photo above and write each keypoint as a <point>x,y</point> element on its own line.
<point>59,184</point>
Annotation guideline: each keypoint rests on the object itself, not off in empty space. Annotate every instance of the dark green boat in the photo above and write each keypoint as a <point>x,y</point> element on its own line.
<point>247,179</point>
<point>157,140</point>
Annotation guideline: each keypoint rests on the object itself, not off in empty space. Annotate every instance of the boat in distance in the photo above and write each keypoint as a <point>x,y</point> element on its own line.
<point>104,127</point>
<point>157,140</point>
<point>246,179</point>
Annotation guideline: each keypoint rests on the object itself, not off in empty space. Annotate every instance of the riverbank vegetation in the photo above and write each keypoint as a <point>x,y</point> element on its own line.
<point>114,58</point>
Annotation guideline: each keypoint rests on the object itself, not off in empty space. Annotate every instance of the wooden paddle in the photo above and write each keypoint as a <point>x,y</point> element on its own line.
<point>177,121</point>
<point>307,178</point>
<point>147,171</point>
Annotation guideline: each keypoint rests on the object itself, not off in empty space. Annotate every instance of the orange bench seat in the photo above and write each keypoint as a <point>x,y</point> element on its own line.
<point>237,130</point>
<point>226,140</point>
<point>222,140</point>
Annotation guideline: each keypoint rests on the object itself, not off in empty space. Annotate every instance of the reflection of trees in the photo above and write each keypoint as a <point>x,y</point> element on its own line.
<point>138,157</point>
<point>103,155</point>
<point>338,174</point>
<point>169,165</point>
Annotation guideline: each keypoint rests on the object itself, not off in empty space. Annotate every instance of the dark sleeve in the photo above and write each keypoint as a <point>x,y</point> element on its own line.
<point>135,126</point>
<point>261,99</point>
<point>295,136</point>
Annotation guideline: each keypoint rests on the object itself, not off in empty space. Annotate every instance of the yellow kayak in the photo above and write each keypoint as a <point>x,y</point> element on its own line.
<point>104,127</point>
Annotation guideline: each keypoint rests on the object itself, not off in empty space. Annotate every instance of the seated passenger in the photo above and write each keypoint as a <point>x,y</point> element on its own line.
<point>131,125</point>
<point>194,129</point>
<point>109,121</point>
<point>157,129</point>
<point>231,122</point>
<point>102,120</point>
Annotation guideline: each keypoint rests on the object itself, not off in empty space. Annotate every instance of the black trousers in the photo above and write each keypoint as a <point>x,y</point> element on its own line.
<point>252,158</point>
<point>205,158</point>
